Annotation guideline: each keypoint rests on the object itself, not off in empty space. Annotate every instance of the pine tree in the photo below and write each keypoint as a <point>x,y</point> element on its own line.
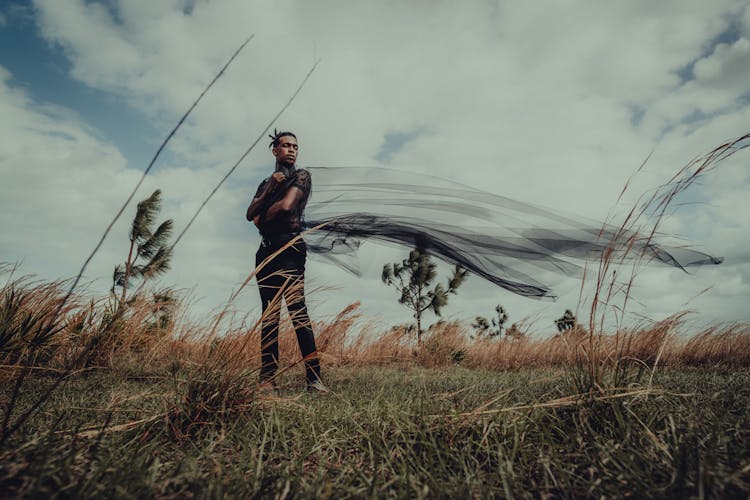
<point>499,321</point>
<point>482,325</point>
<point>149,254</point>
<point>413,278</point>
<point>567,322</point>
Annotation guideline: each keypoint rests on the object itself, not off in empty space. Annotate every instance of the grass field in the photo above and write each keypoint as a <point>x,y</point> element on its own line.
<point>101,401</point>
<point>389,431</point>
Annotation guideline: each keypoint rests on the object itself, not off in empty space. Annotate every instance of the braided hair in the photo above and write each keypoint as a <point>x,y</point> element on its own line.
<point>276,137</point>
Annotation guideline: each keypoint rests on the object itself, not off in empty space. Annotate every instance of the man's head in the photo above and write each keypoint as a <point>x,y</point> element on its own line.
<point>284,147</point>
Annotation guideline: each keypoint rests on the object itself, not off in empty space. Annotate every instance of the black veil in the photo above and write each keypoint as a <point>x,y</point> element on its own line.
<point>505,241</point>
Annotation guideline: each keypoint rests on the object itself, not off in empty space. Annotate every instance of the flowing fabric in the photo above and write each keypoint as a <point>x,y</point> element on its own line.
<point>507,242</point>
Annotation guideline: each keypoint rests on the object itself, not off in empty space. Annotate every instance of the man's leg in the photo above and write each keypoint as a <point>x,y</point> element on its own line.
<point>294,295</point>
<point>270,286</point>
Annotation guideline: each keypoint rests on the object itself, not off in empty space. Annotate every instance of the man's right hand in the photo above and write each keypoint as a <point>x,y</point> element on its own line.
<point>278,178</point>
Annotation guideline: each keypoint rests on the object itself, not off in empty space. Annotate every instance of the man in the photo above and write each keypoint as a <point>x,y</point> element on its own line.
<point>277,209</point>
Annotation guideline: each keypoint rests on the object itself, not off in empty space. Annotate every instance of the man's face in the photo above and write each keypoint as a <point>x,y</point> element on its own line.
<point>286,151</point>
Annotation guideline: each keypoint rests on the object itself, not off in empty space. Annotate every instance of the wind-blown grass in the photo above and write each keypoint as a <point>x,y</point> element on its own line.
<point>390,431</point>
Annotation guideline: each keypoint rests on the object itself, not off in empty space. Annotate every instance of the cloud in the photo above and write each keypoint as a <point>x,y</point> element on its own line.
<point>555,104</point>
<point>51,161</point>
<point>63,184</point>
<point>394,142</point>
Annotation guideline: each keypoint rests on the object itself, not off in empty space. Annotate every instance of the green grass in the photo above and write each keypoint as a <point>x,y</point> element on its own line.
<point>388,432</point>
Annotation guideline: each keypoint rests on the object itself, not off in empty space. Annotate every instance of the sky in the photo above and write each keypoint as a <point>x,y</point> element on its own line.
<point>554,103</point>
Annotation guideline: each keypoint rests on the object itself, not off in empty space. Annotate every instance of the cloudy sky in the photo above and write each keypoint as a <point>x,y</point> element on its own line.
<point>555,103</point>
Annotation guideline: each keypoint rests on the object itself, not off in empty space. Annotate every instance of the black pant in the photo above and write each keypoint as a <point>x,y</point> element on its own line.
<point>284,276</point>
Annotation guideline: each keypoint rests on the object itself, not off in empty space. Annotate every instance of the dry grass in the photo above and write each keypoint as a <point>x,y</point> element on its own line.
<point>727,346</point>
<point>136,338</point>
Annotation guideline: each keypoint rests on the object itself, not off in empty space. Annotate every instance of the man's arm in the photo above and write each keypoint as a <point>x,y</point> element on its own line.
<point>291,200</point>
<point>253,211</point>
<point>254,208</point>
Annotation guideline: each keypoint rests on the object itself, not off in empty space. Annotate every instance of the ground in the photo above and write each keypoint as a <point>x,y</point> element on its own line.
<point>385,431</point>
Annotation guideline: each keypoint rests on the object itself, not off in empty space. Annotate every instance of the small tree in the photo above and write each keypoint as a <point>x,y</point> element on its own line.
<point>514,332</point>
<point>149,252</point>
<point>482,325</point>
<point>413,278</point>
<point>567,322</point>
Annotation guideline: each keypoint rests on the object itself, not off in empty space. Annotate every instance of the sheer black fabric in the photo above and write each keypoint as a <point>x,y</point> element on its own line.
<point>508,242</point>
